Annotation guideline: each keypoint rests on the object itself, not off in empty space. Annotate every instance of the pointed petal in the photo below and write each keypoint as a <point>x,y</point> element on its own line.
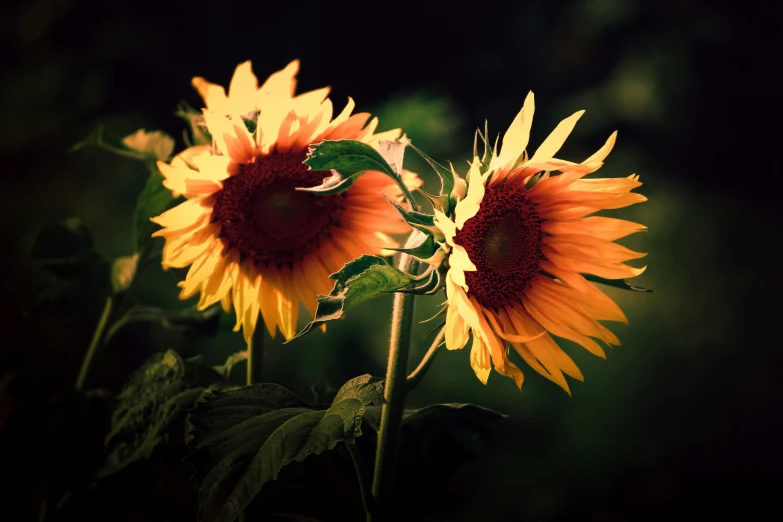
<point>555,140</point>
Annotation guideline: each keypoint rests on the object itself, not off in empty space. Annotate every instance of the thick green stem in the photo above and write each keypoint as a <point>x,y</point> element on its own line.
<point>418,374</point>
<point>396,390</point>
<point>95,342</point>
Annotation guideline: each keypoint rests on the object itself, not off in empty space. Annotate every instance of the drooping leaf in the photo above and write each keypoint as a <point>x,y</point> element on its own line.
<point>393,151</point>
<point>151,405</point>
<point>353,269</point>
<point>241,439</point>
<point>352,288</point>
<point>203,323</point>
<point>445,175</point>
<point>617,283</point>
<point>347,160</point>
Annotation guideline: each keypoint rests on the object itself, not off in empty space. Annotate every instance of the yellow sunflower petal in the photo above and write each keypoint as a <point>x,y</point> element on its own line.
<point>516,138</point>
<point>480,359</point>
<point>555,140</point>
<point>470,204</point>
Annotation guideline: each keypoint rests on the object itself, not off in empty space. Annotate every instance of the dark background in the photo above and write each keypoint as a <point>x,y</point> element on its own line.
<point>681,422</point>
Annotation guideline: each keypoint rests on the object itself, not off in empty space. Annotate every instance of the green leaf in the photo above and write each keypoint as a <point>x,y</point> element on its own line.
<point>430,283</point>
<point>241,439</point>
<point>415,219</point>
<point>442,202</point>
<point>203,323</point>
<point>98,139</point>
<point>617,283</point>
<point>141,145</point>
<point>393,151</point>
<point>347,159</point>
<point>445,175</point>
<point>153,201</point>
<point>152,406</point>
<point>357,282</point>
<point>423,250</point>
<point>198,128</point>
<point>353,269</point>
<point>153,145</point>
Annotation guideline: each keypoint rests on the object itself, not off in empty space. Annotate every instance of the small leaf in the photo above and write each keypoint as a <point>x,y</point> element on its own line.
<point>123,270</point>
<point>617,283</point>
<point>153,201</point>
<point>203,323</point>
<point>154,145</point>
<point>152,402</point>
<point>353,269</point>
<point>377,279</point>
<point>441,202</point>
<point>98,139</point>
<point>347,159</point>
<point>241,439</point>
<point>446,176</point>
<point>423,250</point>
<point>415,219</point>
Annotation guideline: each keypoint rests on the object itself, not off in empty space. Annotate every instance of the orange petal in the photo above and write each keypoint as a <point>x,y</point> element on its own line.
<point>596,226</point>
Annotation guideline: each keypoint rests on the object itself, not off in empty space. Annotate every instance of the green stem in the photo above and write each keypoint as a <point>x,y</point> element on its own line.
<point>363,476</point>
<point>97,337</point>
<point>255,356</point>
<point>396,390</point>
<point>255,368</point>
<point>418,374</point>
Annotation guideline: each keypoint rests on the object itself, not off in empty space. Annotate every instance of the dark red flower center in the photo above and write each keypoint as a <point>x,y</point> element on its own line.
<point>504,241</point>
<point>266,219</point>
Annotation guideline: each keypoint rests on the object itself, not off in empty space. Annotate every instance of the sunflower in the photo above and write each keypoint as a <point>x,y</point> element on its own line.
<point>250,239</point>
<point>519,242</point>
